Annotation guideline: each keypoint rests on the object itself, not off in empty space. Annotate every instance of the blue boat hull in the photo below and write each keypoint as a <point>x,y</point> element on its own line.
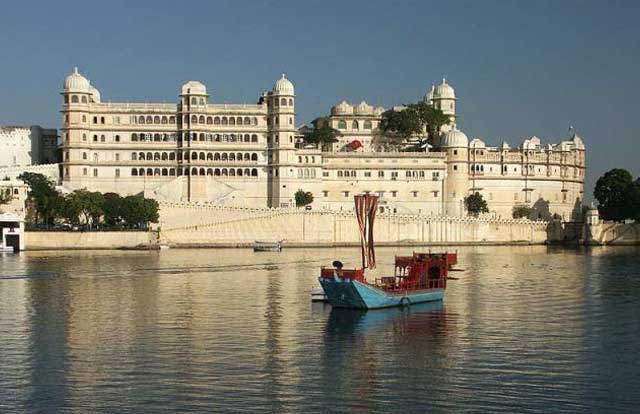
<point>349,293</point>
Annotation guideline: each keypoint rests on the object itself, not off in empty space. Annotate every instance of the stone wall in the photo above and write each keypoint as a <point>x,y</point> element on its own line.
<point>74,240</point>
<point>613,233</point>
<point>185,224</point>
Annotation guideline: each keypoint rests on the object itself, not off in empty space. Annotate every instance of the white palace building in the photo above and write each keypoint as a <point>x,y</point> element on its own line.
<point>196,150</point>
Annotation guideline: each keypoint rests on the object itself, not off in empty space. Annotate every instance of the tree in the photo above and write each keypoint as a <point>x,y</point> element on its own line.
<point>412,121</point>
<point>614,191</point>
<point>112,209</point>
<point>88,204</point>
<point>303,198</point>
<point>522,211</point>
<point>138,212</point>
<point>42,197</point>
<point>321,134</point>
<point>475,204</point>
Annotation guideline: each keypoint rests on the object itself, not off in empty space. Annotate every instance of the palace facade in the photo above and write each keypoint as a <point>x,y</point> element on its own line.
<point>247,155</point>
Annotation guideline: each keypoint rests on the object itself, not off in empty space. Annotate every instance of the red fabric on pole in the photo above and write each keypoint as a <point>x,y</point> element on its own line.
<point>366,208</point>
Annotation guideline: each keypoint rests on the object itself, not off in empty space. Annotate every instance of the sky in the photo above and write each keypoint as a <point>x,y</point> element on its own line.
<point>519,68</point>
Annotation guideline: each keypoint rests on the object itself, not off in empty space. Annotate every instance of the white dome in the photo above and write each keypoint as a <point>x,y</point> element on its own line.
<point>76,82</point>
<point>454,138</point>
<point>343,108</point>
<point>194,88</point>
<point>95,94</point>
<point>444,91</point>
<point>283,86</point>
<point>363,108</point>
<point>429,96</point>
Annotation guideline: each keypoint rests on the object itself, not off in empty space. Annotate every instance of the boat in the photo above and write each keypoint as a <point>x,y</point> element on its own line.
<point>419,278</point>
<point>7,249</point>
<point>263,246</point>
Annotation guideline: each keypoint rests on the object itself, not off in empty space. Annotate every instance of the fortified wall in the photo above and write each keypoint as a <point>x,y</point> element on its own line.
<point>183,224</point>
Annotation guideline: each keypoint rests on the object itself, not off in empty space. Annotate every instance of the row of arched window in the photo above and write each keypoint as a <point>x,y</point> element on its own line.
<point>217,120</point>
<point>282,102</point>
<point>342,124</point>
<point>193,136</point>
<point>76,99</point>
<point>203,156</point>
<point>215,172</point>
<point>162,120</point>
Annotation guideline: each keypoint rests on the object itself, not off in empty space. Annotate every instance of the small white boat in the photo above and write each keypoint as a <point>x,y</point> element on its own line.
<point>6,249</point>
<point>164,247</point>
<point>262,246</point>
<point>317,294</point>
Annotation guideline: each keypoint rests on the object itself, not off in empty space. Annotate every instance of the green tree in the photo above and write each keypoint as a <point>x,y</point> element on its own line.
<point>43,198</point>
<point>112,209</point>
<point>138,212</point>
<point>89,205</point>
<point>321,134</point>
<point>614,191</point>
<point>303,198</point>
<point>413,120</point>
<point>522,211</point>
<point>475,204</point>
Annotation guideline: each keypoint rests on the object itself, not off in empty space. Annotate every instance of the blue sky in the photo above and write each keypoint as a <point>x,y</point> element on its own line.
<point>519,68</point>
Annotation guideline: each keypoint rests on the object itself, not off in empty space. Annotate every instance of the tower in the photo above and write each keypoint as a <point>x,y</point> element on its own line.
<point>78,94</point>
<point>443,97</point>
<point>456,144</point>
<point>281,143</point>
<point>193,103</point>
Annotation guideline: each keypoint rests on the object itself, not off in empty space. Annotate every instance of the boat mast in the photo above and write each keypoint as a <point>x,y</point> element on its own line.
<point>366,207</point>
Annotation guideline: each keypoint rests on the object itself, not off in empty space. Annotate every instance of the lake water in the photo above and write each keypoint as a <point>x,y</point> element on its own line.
<point>523,329</point>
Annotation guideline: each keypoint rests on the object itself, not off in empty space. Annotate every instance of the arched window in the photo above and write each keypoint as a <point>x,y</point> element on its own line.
<point>254,121</point>
<point>290,102</point>
<point>95,138</point>
<point>232,121</point>
<point>172,156</point>
<point>224,172</point>
<point>247,138</point>
<point>156,119</point>
<point>342,124</point>
<point>141,156</point>
<point>216,172</point>
<point>194,155</point>
<point>201,119</point>
<point>216,120</point>
<point>339,173</point>
<point>157,171</point>
<point>254,157</point>
<point>225,121</point>
<point>209,156</point>
<point>247,156</point>
<point>141,120</point>
<point>194,101</point>
<point>172,171</point>
<point>232,157</point>
<point>165,172</point>
<point>149,120</point>
<point>254,172</point>
<point>355,125</point>
<point>84,99</point>
<point>194,171</point>
<point>216,137</point>
<point>186,171</point>
<point>232,138</point>
<point>141,171</point>
<point>134,156</point>
<point>201,137</point>
<point>84,155</point>
<point>216,157</point>
<point>202,156</point>
<point>254,138</point>
<point>165,156</point>
<point>66,99</point>
<point>224,156</point>
<point>247,120</point>
<point>156,156</point>
<point>84,137</point>
<point>102,138</point>
<point>194,119</point>
<point>164,120</point>
<point>202,172</point>
<point>172,119</point>
<point>239,156</point>
<point>209,171</point>
<point>157,138</point>
<point>239,172</point>
<point>209,120</point>
<point>84,118</point>
<point>239,121</point>
<point>367,124</point>
<point>283,102</point>
<point>247,172</point>
<point>134,172</point>
<point>74,99</point>
<point>117,138</point>
<point>232,172</point>
<point>149,171</point>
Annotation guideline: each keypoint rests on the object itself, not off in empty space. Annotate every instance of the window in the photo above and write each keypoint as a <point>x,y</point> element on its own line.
<point>367,124</point>
<point>117,138</point>
<point>380,173</point>
<point>95,138</point>
<point>355,125</point>
<point>84,171</point>
<point>84,137</point>
<point>455,168</point>
<point>346,194</point>
<point>117,157</point>
<point>74,99</point>
<point>95,120</point>
<point>84,155</point>
<point>102,119</point>
<point>117,172</point>
<point>415,194</point>
<point>367,173</point>
<point>95,172</point>
<point>342,124</point>
<point>394,193</point>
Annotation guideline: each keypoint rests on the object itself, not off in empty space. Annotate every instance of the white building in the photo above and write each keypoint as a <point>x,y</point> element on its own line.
<point>245,155</point>
<point>25,146</point>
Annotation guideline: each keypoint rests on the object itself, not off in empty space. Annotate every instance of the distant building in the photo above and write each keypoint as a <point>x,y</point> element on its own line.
<point>251,155</point>
<point>22,146</point>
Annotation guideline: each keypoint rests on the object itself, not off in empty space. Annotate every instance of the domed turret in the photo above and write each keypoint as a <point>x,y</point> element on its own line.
<point>95,94</point>
<point>429,96</point>
<point>343,108</point>
<point>363,108</point>
<point>444,91</point>
<point>76,82</point>
<point>194,88</point>
<point>283,86</point>
<point>454,138</point>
